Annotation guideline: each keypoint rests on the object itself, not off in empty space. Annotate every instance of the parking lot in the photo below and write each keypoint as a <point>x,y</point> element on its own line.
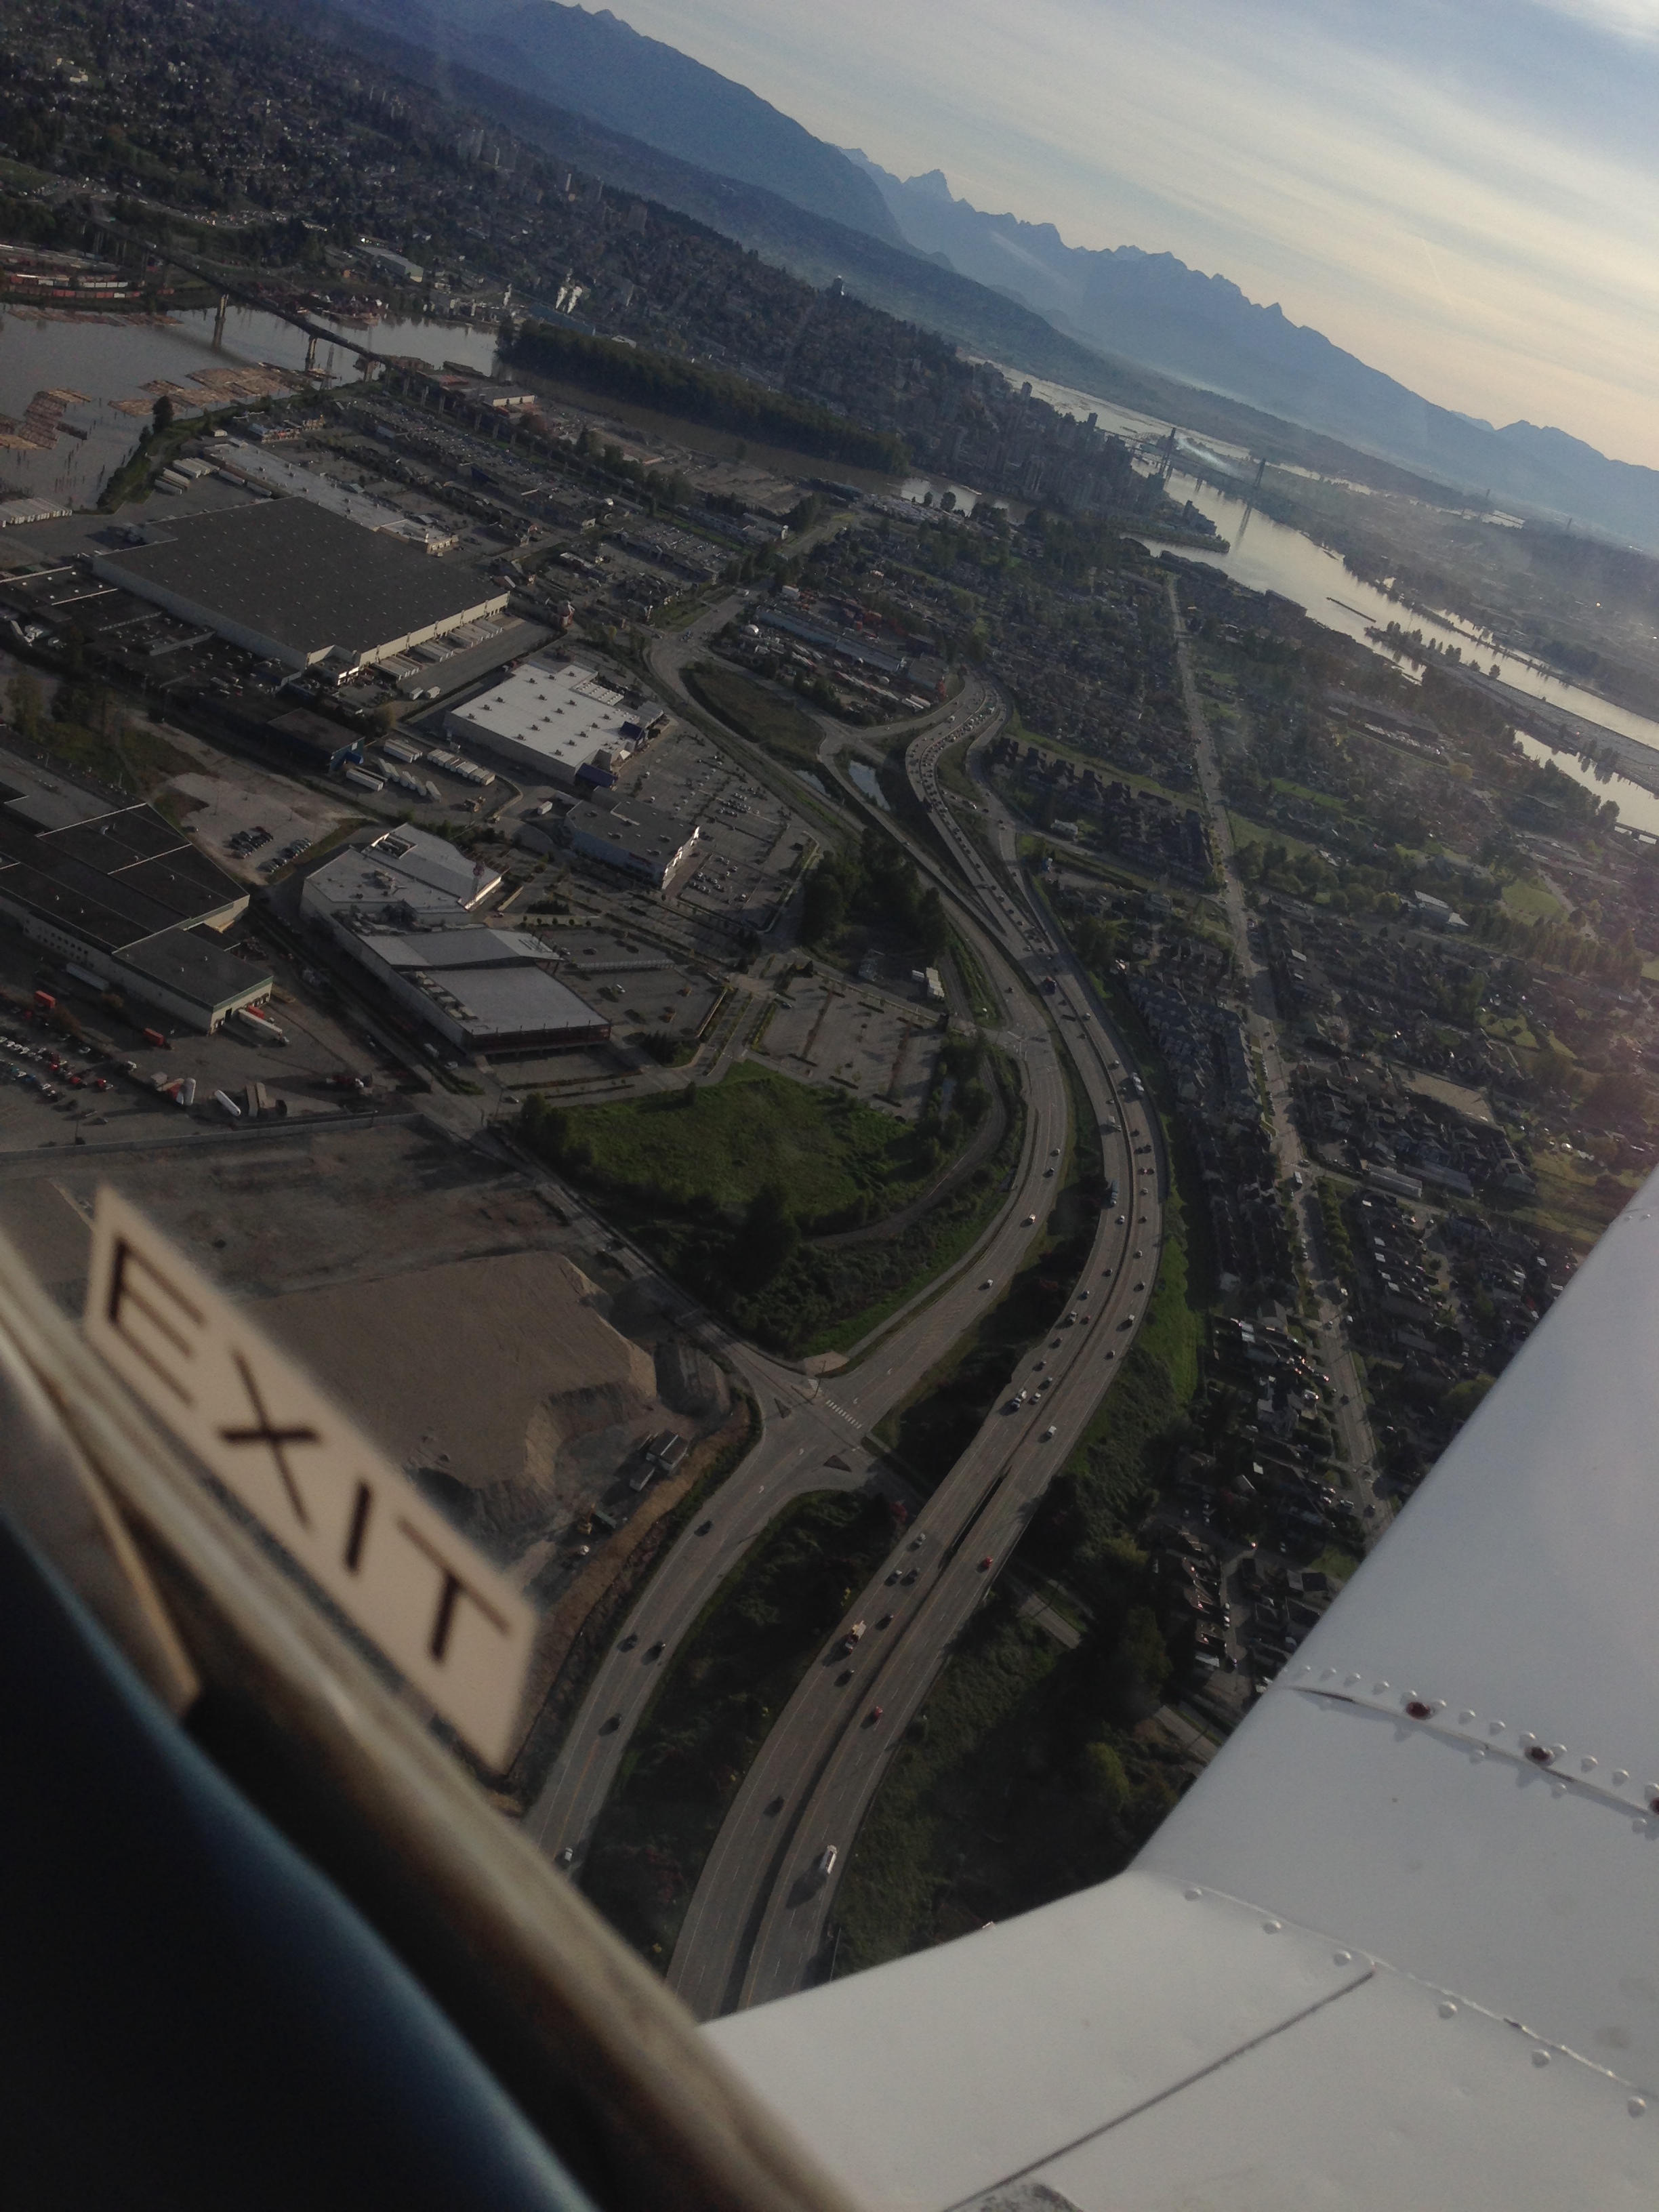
<point>831,1032</point>
<point>752,845</point>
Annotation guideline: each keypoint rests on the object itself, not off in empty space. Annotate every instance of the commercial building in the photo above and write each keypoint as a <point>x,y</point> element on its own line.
<point>299,584</point>
<point>638,840</point>
<point>124,896</point>
<point>560,721</point>
<point>399,906</point>
<point>404,878</point>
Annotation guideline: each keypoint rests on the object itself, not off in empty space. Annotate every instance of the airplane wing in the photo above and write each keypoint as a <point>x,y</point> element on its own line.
<point>1394,1948</point>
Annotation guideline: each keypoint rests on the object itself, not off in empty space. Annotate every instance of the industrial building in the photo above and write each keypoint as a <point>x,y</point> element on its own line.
<point>404,878</point>
<point>124,896</point>
<point>299,584</point>
<point>271,472</point>
<point>484,990</point>
<point>399,906</point>
<point>637,839</point>
<point>559,720</point>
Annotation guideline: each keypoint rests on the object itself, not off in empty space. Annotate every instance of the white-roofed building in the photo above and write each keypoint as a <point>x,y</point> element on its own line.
<point>406,877</point>
<point>559,720</point>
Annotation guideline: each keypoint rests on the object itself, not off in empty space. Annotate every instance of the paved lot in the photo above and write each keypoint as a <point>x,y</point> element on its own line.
<point>830,1032</point>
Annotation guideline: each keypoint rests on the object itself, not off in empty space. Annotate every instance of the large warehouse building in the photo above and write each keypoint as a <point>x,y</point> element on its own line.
<point>300,585</point>
<point>121,895</point>
<point>400,906</point>
<point>560,721</point>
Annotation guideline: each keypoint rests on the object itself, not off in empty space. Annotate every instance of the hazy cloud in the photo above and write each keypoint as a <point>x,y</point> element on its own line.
<point>1464,194</point>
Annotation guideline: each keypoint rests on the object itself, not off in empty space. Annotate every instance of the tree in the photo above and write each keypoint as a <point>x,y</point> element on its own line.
<point>768,1238</point>
<point>1105,1780</point>
<point>161,415</point>
<point>24,699</point>
<point>823,907</point>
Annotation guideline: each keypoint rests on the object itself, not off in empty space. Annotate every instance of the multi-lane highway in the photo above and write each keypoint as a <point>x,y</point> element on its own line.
<point>756,1923</point>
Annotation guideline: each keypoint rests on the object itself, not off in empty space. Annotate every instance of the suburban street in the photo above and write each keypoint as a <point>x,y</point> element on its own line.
<point>1349,1411</point>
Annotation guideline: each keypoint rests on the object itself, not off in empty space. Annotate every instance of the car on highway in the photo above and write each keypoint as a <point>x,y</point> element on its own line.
<point>988,1283</point>
<point>703,1528</point>
<point>1048,1433</point>
<point>910,1578</point>
<point>567,1856</point>
<point>1121,1219</point>
<point>985,1563</point>
<point>1141,1286</point>
<point>1128,1322</point>
<point>874,1715</point>
<point>656,1651</point>
<point>628,1642</point>
<point>886,1620</point>
<point>1047,1174</point>
<point>844,1678</point>
<point>918,1539</point>
<point>775,1807</point>
<point>610,1726</point>
<point>825,1861</point>
<point>1029,1221</point>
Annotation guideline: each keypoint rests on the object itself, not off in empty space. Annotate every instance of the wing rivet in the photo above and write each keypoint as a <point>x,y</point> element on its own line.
<point>1494,1727</point>
<point>1540,1753</point>
<point>1620,1776</point>
<point>1448,2011</point>
<point>1587,1766</point>
<point>1378,1689</point>
<point>1193,1894</point>
<point>1272,1927</point>
<point>1418,1711</point>
<point>1636,2106</point>
<point>1466,1716</point>
<point>1540,2058</point>
<point>1343,1958</point>
<point>1348,1680</point>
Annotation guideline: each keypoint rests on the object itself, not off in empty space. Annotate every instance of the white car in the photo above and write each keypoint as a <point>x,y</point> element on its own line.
<point>1047,1433</point>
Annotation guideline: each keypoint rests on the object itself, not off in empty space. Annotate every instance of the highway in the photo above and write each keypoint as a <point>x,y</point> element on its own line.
<point>755,1927</point>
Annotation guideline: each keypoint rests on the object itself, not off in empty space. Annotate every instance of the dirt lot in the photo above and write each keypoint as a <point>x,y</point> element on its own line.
<point>445,1302</point>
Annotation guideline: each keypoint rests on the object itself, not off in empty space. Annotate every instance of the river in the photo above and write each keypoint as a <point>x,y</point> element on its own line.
<point>1268,556</point>
<point>105,360</point>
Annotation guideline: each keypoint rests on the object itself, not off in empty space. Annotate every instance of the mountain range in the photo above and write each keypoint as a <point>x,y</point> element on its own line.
<point>1153,309</point>
<point>1142,328</point>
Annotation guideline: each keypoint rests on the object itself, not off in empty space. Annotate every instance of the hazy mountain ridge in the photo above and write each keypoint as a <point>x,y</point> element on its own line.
<point>1153,309</point>
<point>595,64</point>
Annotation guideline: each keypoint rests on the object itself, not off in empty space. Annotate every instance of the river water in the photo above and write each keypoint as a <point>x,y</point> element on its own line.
<point>103,362</point>
<point>1267,555</point>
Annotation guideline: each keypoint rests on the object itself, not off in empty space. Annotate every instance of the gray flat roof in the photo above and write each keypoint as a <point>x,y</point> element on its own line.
<point>632,827</point>
<point>196,968</point>
<point>307,579</point>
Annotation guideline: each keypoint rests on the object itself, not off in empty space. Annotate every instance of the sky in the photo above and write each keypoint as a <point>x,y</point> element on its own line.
<point>1464,192</point>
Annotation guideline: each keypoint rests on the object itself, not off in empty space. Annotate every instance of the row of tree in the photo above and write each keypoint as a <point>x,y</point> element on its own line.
<point>698,394</point>
<point>878,883</point>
